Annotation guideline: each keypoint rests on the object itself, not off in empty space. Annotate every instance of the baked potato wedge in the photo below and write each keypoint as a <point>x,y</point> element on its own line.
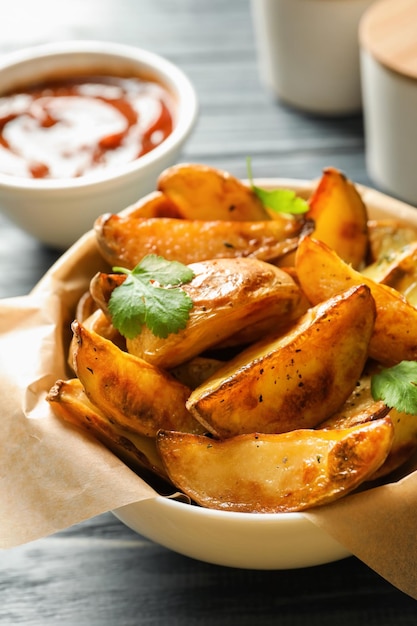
<point>155,204</point>
<point>202,192</point>
<point>85,307</point>
<point>322,274</point>
<point>404,444</point>
<point>70,403</point>
<point>228,295</point>
<point>133,394</point>
<point>124,241</point>
<point>340,216</point>
<point>99,323</point>
<point>360,407</point>
<point>196,371</point>
<point>101,288</point>
<point>295,380</point>
<point>266,473</point>
<point>398,270</point>
<point>388,235</point>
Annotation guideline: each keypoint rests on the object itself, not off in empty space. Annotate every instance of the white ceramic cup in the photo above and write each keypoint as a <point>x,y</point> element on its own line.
<point>308,52</point>
<point>388,36</point>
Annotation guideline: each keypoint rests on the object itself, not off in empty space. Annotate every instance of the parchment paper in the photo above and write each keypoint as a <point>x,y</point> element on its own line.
<point>53,476</point>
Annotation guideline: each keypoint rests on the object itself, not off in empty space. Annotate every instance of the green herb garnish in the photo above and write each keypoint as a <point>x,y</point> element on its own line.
<point>397,387</point>
<point>279,200</point>
<point>151,296</point>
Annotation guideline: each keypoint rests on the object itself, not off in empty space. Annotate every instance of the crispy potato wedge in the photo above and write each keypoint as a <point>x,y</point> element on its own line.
<point>206,193</point>
<point>398,270</point>
<point>71,404</point>
<point>322,274</point>
<point>264,473</point>
<point>155,204</point>
<point>101,287</point>
<point>360,407</point>
<point>340,216</point>
<point>134,394</point>
<point>86,306</point>
<point>228,295</point>
<point>124,241</point>
<point>99,323</point>
<point>388,235</point>
<point>403,446</point>
<point>196,371</point>
<point>296,380</point>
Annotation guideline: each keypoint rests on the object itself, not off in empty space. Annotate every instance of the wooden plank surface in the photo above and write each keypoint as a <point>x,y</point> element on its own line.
<point>100,572</point>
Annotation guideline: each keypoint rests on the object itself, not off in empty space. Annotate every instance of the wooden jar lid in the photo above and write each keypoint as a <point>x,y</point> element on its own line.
<point>388,31</point>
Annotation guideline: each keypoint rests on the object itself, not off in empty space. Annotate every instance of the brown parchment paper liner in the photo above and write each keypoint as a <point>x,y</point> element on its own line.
<point>53,476</point>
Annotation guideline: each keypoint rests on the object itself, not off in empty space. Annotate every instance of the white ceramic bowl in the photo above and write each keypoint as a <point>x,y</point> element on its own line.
<point>243,540</point>
<point>249,540</point>
<point>58,212</point>
<point>232,539</point>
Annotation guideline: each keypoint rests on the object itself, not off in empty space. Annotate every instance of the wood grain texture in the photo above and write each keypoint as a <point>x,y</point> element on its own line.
<point>100,572</point>
<point>388,32</point>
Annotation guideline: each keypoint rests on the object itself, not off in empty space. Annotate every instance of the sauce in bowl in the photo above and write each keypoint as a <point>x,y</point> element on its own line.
<point>82,125</point>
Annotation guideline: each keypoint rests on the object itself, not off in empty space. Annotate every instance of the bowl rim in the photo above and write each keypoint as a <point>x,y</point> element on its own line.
<point>163,69</point>
<point>173,502</point>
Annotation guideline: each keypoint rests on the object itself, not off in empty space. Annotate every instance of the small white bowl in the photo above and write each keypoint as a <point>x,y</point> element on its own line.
<point>58,211</point>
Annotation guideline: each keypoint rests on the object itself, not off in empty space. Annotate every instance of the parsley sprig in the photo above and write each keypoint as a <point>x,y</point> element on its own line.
<point>278,200</point>
<point>151,296</point>
<point>397,387</point>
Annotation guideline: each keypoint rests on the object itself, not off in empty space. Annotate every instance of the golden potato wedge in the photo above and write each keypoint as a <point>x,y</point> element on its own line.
<point>263,473</point>
<point>134,394</point>
<point>206,193</point>
<point>397,269</point>
<point>194,372</point>
<point>98,323</point>
<point>86,306</point>
<point>228,295</point>
<point>155,204</point>
<point>404,444</point>
<point>340,216</point>
<point>360,407</point>
<point>101,287</point>
<point>124,241</point>
<point>388,235</point>
<point>71,404</point>
<point>296,380</point>
<point>322,274</point>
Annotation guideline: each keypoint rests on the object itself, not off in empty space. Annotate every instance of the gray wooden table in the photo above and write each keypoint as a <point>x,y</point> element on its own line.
<point>99,572</point>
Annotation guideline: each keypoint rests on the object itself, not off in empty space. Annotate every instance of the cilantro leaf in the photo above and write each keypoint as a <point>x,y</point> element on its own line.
<point>397,387</point>
<point>151,296</point>
<point>278,200</point>
<point>166,273</point>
